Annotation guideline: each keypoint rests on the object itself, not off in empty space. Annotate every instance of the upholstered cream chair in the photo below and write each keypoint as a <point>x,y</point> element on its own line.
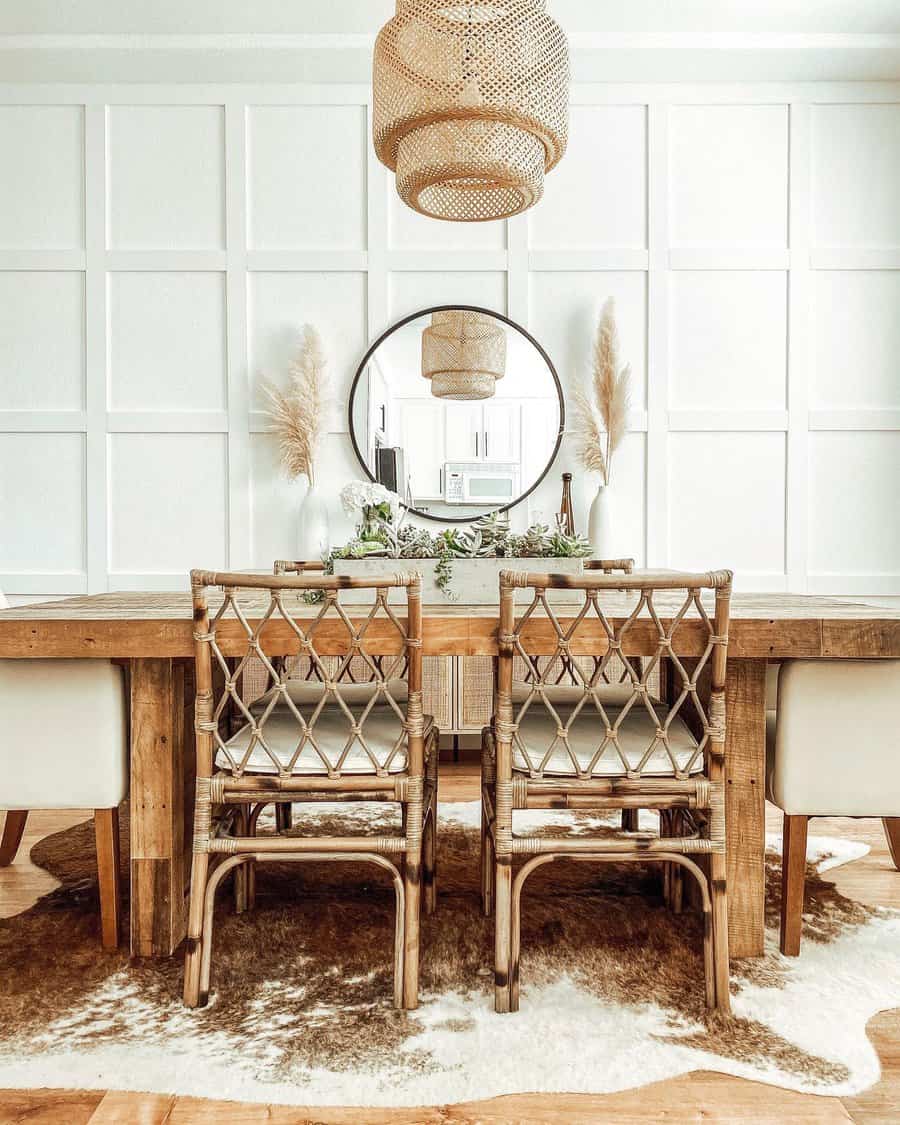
<point>65,746</point>
<point>832,750</point>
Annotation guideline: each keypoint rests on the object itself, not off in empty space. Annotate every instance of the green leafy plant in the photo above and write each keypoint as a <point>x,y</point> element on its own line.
<point>488,537</point>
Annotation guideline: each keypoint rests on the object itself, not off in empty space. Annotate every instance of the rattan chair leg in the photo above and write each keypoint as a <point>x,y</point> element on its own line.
<point>487,862</point>
<point>429,838</point>
<point>13,830</point>
<point>630,820</point>
<point>209,903</point>
<point>199,874</point>
<point>719,897</point>
<point>429,891</point>
<point>284,816</point>
<point>106,833</point>
<point>251,866</point>
<point>502,932</point>
<point>241,873</point>
<point>412,888</point>
<point>412,880</point>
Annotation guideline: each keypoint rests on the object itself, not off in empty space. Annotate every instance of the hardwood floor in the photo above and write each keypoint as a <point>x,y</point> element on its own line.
<point>695,1097</point>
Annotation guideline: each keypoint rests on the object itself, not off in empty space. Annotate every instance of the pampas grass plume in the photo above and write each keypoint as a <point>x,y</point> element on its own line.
<point>298,413</point>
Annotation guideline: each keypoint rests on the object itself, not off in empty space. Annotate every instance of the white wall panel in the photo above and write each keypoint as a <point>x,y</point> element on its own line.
<point>42,516</point>
<point>854,526</point>
<point>166,177</point>
<point>857,339</point>
<point>167,503</point>
<point>306,176</point>
<point>726,496</point>
<point>281,303</point>
<point>166,341</point>
<point>42,179</point>
<point>410,291</point>
<point>597,195</point>
<point>408,230</point>
<point>728,332</point>
<point>672,200</point>
<point>563,310</point>
<point>856,175</point>
<point>41,340</point>
<point>729,175</point>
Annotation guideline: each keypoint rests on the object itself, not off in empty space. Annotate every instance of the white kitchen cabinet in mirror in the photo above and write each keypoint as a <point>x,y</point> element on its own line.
<point>456,458</point>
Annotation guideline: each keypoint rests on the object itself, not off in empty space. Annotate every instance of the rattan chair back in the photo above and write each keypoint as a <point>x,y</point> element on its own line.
<point>251,606</point>
<point>631,622</point>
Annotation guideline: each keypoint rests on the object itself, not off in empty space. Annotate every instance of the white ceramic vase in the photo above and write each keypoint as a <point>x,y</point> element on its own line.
<point>313,540</point>
<point>600,525</point>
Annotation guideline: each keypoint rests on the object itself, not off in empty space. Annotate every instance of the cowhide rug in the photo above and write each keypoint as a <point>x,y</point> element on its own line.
<point>612,992</point>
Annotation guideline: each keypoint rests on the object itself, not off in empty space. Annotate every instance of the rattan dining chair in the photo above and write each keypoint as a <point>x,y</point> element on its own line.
<point>588,753</point>
<point>342,743</point>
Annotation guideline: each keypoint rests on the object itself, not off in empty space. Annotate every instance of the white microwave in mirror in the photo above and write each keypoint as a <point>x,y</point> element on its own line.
<point>480,483</point>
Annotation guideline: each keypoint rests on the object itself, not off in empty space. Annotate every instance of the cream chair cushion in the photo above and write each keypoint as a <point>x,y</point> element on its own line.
<point>64,742</point>
<point>305,694</point>
<point>562,695</point>
<point>537,730</point>
<point>381,730</point>
<point>834,747</point>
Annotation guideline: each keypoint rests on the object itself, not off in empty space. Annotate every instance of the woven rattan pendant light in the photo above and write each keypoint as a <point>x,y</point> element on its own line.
<point>463,354</point>
<point>470,105</point>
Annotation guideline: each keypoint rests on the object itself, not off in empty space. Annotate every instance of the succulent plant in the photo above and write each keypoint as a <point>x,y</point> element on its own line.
<point>488,537</point>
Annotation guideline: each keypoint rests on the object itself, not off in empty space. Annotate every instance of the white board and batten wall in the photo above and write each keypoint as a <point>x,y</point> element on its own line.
<point>160,245</point>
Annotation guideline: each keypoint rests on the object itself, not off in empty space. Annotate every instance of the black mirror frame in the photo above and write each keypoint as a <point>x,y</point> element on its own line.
<point>465,308</point>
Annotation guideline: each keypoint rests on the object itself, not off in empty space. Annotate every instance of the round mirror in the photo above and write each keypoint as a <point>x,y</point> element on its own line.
<point>458,410</point>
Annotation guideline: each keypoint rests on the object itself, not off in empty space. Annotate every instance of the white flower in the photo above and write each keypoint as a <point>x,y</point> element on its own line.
<point>360,494</point>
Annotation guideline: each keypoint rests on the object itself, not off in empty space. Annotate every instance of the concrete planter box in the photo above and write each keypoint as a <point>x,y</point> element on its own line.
<point>473,581</point>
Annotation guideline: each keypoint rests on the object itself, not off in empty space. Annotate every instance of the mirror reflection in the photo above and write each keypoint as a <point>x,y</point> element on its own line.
<point>458,411</point>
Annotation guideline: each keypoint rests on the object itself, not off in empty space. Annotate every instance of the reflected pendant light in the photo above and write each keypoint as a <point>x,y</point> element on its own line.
<point>463,354</point>
<point>470,105</point>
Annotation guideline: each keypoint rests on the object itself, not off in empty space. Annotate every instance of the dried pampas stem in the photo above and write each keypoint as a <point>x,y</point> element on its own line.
<point>602,415</point>
<point>299,413</point>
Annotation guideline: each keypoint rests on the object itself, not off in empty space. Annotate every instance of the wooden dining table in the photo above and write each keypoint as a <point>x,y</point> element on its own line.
<point>152,633</point>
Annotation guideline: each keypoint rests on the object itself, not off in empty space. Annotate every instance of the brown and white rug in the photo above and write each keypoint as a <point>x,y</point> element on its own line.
<point>612,992</point>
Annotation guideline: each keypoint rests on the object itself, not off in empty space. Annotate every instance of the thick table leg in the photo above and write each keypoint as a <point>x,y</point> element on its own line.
<point>745,805</point>
<point>161,748</point>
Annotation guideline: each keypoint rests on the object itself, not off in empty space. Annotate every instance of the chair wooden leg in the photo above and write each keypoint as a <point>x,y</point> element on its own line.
<point>891,830</point>
<point>630,820</point>
<point>502,931</point>
<point>193,950</point>
<point>284,817</point>
<point>793,879</point>
<point>13,830</point>
<point>487,865</point>
<point>719,897</point>
<point>241,889</point>
<point>106,834</point>
<point>429,840</point>
<point>412,886</point>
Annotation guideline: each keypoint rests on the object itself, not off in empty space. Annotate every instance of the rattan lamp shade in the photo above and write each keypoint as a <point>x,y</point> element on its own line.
<point>463,354</point>
<point>470,105</point>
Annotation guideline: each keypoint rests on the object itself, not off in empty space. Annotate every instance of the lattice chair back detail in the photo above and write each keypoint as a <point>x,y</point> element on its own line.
<point>337,730</point>
<point>591,732</point>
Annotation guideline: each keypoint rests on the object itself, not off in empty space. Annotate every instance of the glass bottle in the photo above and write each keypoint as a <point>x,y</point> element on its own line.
<point>566,519</point>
